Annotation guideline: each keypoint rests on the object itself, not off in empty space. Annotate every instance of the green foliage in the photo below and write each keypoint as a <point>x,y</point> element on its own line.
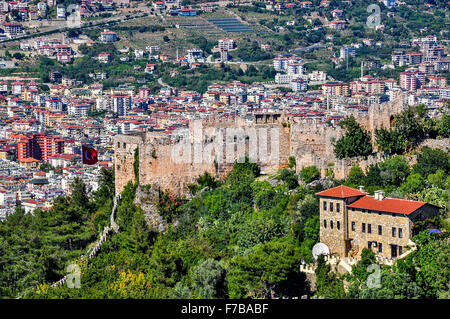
<point>266,271</point>
<point>288,176</point>
<point>394,170</point>
<point>414,183</point>
<point>241,239</point>
<point>328,284</point>
<point>251,53</point>
<point>239,180</point>
<point>355,142</point>
<point>309,174</point>
<point>393,286</point>
<point>209,279</point>
<point>40,245</point>
<point>390,141</point>
<point>356,176</point>
<point>431,259</point>
<point>430,160</point>
<point>292,163</point>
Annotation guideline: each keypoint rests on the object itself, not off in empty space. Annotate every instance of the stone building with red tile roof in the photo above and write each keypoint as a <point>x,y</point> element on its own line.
<point>351,220</point>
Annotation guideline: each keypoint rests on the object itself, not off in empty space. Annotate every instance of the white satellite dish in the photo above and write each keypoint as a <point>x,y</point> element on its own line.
<point>320,249</point>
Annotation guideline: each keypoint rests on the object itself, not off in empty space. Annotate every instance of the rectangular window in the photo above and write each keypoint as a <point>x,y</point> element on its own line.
<point>380,247</point>
<point>331,206</point>
<point>338,207</point>
<point>400,233</point>
<point>353,226</point>
<point>324,205</point>
<point>369,228</point>
<point>400,250</point>
<point>394,231</point>
<point>124,145</point>
<point>380,230</point>
<point>363,227</point>
<point>338,225</point>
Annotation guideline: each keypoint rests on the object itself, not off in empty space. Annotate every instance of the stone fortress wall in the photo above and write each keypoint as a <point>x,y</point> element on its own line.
<point>309,143</point>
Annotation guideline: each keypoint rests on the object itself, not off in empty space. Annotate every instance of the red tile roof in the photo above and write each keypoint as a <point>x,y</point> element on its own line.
<point>341,191</point>
<point>390,205</point>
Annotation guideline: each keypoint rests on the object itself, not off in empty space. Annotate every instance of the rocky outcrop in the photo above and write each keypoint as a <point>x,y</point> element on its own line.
<point>148,198</point>
<point>324,182</point>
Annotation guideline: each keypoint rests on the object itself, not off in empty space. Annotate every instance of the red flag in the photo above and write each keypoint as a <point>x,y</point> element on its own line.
<point>89,155</point>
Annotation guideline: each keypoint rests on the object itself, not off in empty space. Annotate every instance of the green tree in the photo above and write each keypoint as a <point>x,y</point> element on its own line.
<point>393,286</point>
<point>209,279</point>
<point>355,142</point>
<point>390,141</point>
<point>288,176</point>
<point>430,160</point>
<point>328,284</point>
<point>409,127</point>
<point>268,270</point>
<point>439,179</point>
<point>414,183</point>
<point>394,170</point>
<point>356,176</point>
<point>309,174</point>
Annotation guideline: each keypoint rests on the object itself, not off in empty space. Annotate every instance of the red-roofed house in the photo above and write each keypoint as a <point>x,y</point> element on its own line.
<point>351,220</point>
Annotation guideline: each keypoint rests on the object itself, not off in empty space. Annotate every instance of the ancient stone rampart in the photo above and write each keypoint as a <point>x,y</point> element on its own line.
<point>165,163</point>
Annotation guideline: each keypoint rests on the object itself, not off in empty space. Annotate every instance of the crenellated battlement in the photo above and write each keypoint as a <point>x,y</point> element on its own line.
<point>310,143</point>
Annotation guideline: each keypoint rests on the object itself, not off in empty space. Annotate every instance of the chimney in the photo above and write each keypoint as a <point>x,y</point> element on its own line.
<point>375,195</point>
<point>361,189</point>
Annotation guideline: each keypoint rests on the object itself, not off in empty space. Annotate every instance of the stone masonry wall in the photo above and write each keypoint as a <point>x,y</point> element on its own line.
<point>309,143</point>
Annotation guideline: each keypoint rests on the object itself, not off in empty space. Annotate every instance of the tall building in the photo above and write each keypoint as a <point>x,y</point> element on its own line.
<point>224,56</point>
<point>335,88</point>
<point>351,220</point>
<point>120,104</point>
<point>412,80</point>
<point>39,146</point>
<point>228,44</point>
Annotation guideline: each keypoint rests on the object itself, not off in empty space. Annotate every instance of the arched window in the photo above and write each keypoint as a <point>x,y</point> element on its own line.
<point>331,224</point>
<point>324,223</point>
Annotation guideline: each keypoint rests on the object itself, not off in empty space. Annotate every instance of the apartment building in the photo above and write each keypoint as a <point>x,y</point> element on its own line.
<point>39,147</point>
<point>228,44</point>
<point>335,88</point>
<point>412,80</point>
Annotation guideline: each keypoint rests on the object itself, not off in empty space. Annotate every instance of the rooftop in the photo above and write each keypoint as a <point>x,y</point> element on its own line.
<point>341,191</point>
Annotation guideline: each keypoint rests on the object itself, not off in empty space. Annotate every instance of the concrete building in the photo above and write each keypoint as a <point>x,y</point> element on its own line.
<point>108,36</point>
<point>228,44</point>
<point>61,12</point>
<point>39,147</point>
<point>299,85</point>
<point>412,80</point>
<point>335,88</point>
